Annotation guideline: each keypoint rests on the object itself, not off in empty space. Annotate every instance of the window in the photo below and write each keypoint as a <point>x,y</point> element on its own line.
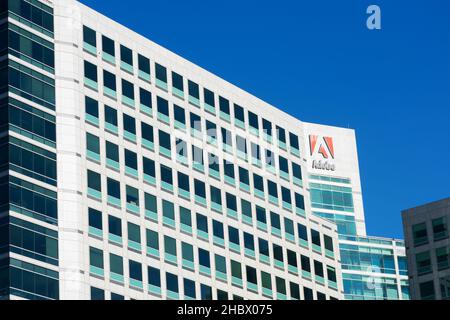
<point>216,198</point>
<point>236,273</point>
<point>94,184</point>
<point>90,38</point>
<point>128,93</point>
<point>299,204</point>
<point>289,229</point>
<point>273,191</point>
<point>315,238</point>
<point>442,257</point>
<point>204,261</point>
<point>252,277</point>
<point>256,154</point>
<point>218,232</point>
<point>205,292</point>
<point>144,67</point>
<point>132,198</point>
<point>134,233</point>
<point>147,135</point>
<point>163,109</point>
<point>263,248</point>
<point>185,219</point>
<point>224,106</point>
<point>295,147</point>
<point>202,225</point>
<point>246,211</point>
<point>91,106</point>
<point>229,171</point>
<point>306,265</point>
<point>115,226</point>
<point>440,228</point>
<point>131,162</point>
<point>261,216</point>
<point>168,213</point>
<point>145,98</point>
<point>249,243</point>
<point>239,119</point>
<point>96,261</point>
<point>110,119</point>
<point>90,75</point>
<point>135,269</point>
<point>194,93</point>
<point>211,132</point>
<point>427,290</point>
<point>183,182</point>
<point>116,267</point>
<point>267,128</point>
<point>109,82</point>
<point>154,279</point>
<point>178,86</point>
<point>129,126</point>
<point>281,286</point>
<point>97,294</point>
<point>210,104</point>
<point>292,260</point>
<point>244,179</point>
<point>231,204</point>
<point>233,237</point>
<point>126,57</point>
<point>189,288</point>
<point>286,198</point>
<point>270,160</point>
<point>197,158</point>
<point>227,141</point>
<point>241,146</point>
<point>149,170</point>
<point>331,274</point>
<point>196,125</point>
<point>221,266</point>
<point>113,191</point>
<point>284,167</point>
<point>161,76</point>
<point>108,48</point>
<point>200,192</point>
<point>253,122</point>
<point>172,283</point>
<point>164,143</point>
<point>420,235</point>
<point>180,117</point>
<point>170,249</point>
<point>93,147</point>
<point>318,269</point>
<point>297,173</point>
<point>275,223</point>
<point>152,242</point>
<point>187,254</point>
<point>222,295</point>
<point>266,282</point>
<point>308,293</point>
<point>278,256</point>
<point>213,164</point>
<point>281,135</point>
<point>295,290</point>
<point>95,220</point>
<point>423,262</point>
<point>328,242</point>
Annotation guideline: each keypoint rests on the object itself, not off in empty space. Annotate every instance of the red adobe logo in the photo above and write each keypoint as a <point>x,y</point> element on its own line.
<point>325,146</point>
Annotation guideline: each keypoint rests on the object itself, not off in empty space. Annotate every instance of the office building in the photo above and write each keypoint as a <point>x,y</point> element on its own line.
<point>428,250</point>
<point>128,172</point>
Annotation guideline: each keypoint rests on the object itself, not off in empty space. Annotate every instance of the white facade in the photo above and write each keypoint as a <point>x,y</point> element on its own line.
<point>74,238</point>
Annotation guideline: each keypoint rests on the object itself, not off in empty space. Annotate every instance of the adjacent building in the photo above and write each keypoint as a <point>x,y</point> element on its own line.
<point>428,250</point>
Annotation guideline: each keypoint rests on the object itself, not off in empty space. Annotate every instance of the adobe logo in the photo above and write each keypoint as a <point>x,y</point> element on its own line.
<point>323,145</point>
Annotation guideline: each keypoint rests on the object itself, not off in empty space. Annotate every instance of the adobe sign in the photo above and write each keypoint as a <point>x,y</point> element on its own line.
<point>323,148</point>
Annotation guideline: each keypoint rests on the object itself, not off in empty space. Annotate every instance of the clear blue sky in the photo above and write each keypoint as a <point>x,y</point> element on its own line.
<point>317,61</point>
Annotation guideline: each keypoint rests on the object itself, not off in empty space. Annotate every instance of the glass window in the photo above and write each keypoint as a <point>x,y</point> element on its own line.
<point>132,196</point>
<point>440,228</point>
<point>243,176</point>
<point>267,128</point>
<point>91,106</point>
<point>147,132</point>
<point>152,239</point>
<point>293,140</point>
<point>92,143</point>
<point>189,288</point>
<point>135,270</point>
<point>183,181</point>
<point>272,187</point>
<point>306,265</point>
<point>161,73</point>
<point>266,280</point>
<point>168,210</point>
<point>231,201</point>
<point>420,235</point>
<point>95,219</point>
<point>202,223</point>
<point>145,98</point>
<point>233,235</point>
<point>251,275</point>
<point>205,292</point>
<point>281,285</point>
<point>172,282</point>
<point>318,268</point>
<point>96,257</point>
<point>315,237</point>
<point>427,290</point>
<point>224,106</point>
<point>177,81</point>
<point>129,124</point>
<point>263,247</point>
<point>193,89</point>
<point>127,89</point>
<point>228,169</point>
<point>143,64</point>
<point>423,262</point>
<point>218,229</point>
<point>199,188</point>
<point>253,120</point>
<point>163,106</point>
<point>261,214</point>
<point>195,122</point>
<point>89,36</point>
<point>108,46</point>
<point>239,114</point>
<point>148,166</point>
<point>116,264</point>
<point>109,80</point>
<point>111,116</point>
<point>197,156</point>
<point>281,135</point>
<point>130,159</point>
<point>249,241</point>
<point>164,140</point>
<point>126,55</point>
<point>185,216</point>
<point>216,195</point>
<point>114,226</point>
<point>170,245</point>
<point>154,277</point>
<point>275,220</point>
<point>278,252</point>
<point>296,171</point>
<point>328,242</point>
<point>97,294</point>
<point>203,258</point>
<point>90,71</point>
<point>113,188</point>
<point>134,232</point>
<point>94,180</point>
<point>295,290</point>
<point>241,145</point>
<point>180,114</point>
<point>236,269</point>
<point>209,97</point>
<point>150,203</point>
